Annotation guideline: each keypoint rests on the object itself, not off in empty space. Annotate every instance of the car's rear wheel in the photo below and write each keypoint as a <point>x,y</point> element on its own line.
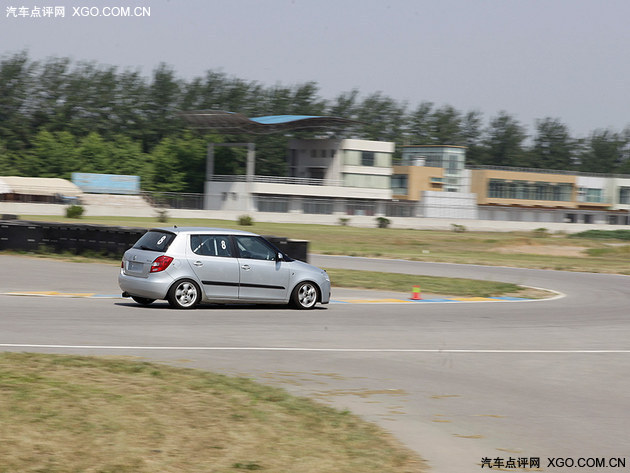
<point>304,295</point>
<point>143,300</point>
<point>184,294</point>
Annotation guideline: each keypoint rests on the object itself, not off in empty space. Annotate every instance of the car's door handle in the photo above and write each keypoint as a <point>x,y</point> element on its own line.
<point>245,267</point>
<point>198,263</point>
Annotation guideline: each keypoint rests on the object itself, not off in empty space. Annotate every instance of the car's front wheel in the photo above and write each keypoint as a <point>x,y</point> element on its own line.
<point>304,295</point>
<point>184,294</point>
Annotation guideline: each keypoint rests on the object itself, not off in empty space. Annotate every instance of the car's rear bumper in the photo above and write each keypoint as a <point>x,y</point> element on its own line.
<point>156,286</point>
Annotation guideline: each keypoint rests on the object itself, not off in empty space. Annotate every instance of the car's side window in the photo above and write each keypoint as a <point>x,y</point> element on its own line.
<point>211,245</point>
<point>254,248</point>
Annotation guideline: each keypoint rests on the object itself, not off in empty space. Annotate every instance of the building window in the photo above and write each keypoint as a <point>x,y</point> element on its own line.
<point>590,195</point>
<point>367,158</point>
<point>525,190</point>
<point>359,207</point>
<point>453,164</point>
<point>316,173</point>
<point>624,195</point>
<point>318,206</point>
<point>265,203</point>
<point>400,209</point>
<point>367,180</point>
<point>399,184</point>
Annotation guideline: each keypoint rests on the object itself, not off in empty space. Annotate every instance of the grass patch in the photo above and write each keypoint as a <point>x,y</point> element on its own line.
<point>405,282</point>
<point>614,251</point>
<point>603,234</point>
<point>70,413</point>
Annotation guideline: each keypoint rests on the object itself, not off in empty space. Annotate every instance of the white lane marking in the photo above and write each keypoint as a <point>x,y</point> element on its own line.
<point>306,349</point>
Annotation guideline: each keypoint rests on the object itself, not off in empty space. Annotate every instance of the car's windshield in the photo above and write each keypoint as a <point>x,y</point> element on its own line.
<point>155,240</point>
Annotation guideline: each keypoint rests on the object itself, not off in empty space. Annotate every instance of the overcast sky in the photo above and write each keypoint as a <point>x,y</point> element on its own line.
<point>565,59</point>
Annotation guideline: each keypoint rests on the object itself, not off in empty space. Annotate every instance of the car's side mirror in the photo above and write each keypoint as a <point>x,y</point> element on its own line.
<point>279,257</point>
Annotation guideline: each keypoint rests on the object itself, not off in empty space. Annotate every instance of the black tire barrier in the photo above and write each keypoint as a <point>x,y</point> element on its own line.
<point>77,239</point>
<point>80,239</point>
<point>296,249</point>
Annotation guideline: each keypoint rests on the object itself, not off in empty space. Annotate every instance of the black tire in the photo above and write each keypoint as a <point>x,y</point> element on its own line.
<point>184,294</point>
<point>143,300</point>
<point>305,295</point>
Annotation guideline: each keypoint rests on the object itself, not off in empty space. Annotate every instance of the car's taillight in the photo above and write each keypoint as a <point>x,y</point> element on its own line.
<point>160,263</point>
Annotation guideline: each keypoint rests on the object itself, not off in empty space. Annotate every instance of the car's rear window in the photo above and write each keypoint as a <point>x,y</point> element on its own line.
<point>155,241</point>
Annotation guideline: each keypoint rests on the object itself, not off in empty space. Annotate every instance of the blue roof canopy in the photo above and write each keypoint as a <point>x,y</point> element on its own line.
<point>229,122</point>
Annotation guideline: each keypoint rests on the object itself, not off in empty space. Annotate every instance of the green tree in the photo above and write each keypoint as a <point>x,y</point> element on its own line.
<point>305,100</point>
<point>503,145</point>
<point>271,155</point>
<point>178,164</point>
<point>233,161</point>
<point>7,167</point>
<point>88,101</point>
<point>52,155</point>
<point>381,117</point>
<point>126,157</point>
<point>420,125</point>
<point>241,96</point>
<point>472,133</point>
<point>553,146</point>
<point>446,126</point>
<point>161,106</point>
<point>94,155</point>
<point>16,80</point>
<point>606,152</point>
<point>47,93</point>
<point>624,165</point>
<point>128,117</point>
<point>344,106</point>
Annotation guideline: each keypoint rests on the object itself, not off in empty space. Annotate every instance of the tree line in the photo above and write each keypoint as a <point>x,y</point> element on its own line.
<point>59,117</point>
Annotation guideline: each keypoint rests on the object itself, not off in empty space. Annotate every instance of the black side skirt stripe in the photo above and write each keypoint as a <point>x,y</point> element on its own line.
<point>235,284</point>
<point>220,283</point>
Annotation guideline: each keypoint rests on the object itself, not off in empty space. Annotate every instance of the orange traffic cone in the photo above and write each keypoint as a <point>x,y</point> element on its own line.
<point>415,294</point>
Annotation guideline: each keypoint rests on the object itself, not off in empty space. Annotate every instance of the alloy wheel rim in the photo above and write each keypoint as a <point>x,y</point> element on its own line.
<point>186,294</point>
<point>307,295</point>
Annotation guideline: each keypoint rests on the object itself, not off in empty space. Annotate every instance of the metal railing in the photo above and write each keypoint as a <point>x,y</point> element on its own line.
<point>546,171</point>
<point>174,200</point>
<point>302,181</point>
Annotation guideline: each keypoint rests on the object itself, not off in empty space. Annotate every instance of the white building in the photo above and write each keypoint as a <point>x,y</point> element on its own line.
<point>326,176</point>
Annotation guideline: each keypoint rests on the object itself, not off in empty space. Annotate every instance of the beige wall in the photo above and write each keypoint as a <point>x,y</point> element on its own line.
<point>419,180</point>
<point>481,177</point>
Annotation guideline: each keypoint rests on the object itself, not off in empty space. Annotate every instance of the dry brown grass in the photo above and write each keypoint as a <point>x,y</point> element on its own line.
<point>79,414</point>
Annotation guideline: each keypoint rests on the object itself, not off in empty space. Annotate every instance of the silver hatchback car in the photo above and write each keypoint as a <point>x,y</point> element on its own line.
<point>190,265</point>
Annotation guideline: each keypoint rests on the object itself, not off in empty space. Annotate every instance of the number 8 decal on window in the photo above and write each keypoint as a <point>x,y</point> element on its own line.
<point>223,245</point>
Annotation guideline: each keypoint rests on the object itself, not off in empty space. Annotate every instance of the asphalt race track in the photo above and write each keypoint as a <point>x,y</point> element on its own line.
<point>467,385</point>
